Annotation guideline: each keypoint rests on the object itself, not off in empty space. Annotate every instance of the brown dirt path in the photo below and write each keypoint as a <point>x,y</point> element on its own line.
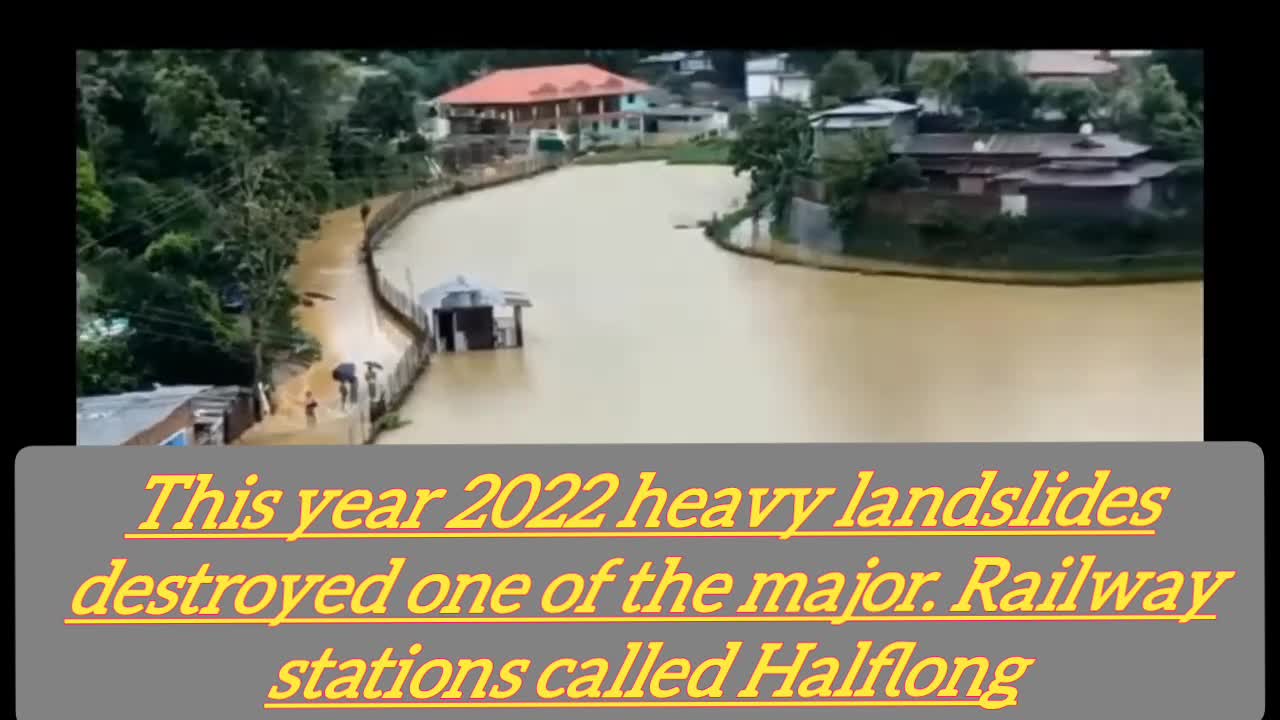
<point>350,328</point>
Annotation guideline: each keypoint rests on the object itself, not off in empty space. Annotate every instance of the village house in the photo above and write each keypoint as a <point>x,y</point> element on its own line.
<point>1063,67</point>
<point>679,62</point>
<point>600,105</point>
<point>685,120</point>
<point>1084,173</point>
<point>177,416</point>
<point>775,77</point>
<point>833,129</point>
<point>468,315</point>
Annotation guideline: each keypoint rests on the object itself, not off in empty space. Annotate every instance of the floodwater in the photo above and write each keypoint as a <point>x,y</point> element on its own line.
<point>641,332</point>
<point>344,318</point>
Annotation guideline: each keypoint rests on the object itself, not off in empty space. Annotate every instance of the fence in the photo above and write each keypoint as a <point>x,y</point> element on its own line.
<point>398,302</point>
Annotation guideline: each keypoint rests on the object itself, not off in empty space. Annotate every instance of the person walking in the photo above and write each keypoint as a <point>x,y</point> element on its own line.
<point>371,382</point>
<point>342,391</point>
<point>311,409</point>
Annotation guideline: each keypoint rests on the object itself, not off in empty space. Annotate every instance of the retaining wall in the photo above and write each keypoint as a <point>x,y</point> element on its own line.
<point>396,301</point>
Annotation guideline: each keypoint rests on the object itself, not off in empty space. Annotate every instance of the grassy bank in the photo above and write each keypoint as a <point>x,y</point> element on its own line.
<point>703,152</point>
<point>1040,264</point>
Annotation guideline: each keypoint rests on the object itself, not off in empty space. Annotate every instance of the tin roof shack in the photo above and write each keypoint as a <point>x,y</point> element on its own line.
<point>968,162</point>
<point>467,315</point>
<point>178,416</point>
<point>833,129</point>
<point>1089,188</point>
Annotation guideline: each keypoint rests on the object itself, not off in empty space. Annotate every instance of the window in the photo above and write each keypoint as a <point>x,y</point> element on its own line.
<point>614,123</point>
<point>631,99</point>
<point>595,125</point>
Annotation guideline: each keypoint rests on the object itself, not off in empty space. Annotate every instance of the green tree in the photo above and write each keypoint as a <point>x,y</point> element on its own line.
<point>844,76</point>
<point>774,149</point>
<point>991,84</point>
<point>1077,103</point>
<point>890,64</point>
<point>93,207</point>
<point>1187,69</point>
<point>864,165</point>
<point>1157,113</point>
<point>104,366</point>
<point>938,76</point>
<point>384,107</point>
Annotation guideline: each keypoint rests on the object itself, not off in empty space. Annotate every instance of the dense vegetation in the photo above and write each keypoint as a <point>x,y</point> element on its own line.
<point>199,172</point>
<point>978,91</point>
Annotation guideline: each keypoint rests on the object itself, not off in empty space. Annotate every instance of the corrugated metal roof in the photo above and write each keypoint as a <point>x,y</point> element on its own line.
<point>1059,146</point>
<point>114,419</point>
<point>1152,169</point>
<point>666,57</point>
<point>467,292</point>
<point>872,106</point>
<point>848,123</point>
<point>1040,177</point>
<point>1040,63</point>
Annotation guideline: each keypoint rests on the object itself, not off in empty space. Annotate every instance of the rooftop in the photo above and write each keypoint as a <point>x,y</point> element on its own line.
<point>463,291</point>
<point>767,64</point>
<point>1063,62</point>
<point>114,419</point>
<point>874,112</point>
<point>1050,146</point>
<point>541,84</point>
<point>1088,174</point>
<point>671,57</point>
<point>871,106</point>
<point>680,111</point>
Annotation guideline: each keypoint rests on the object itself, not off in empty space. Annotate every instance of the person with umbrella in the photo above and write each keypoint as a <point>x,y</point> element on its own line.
<point>345,375</point>
<point>371,379</point>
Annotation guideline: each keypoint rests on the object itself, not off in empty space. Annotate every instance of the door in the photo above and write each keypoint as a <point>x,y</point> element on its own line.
<point>476,323</point>
<point>444,325</point>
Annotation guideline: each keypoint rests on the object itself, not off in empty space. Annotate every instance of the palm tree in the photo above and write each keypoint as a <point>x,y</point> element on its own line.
<point>938,76</point>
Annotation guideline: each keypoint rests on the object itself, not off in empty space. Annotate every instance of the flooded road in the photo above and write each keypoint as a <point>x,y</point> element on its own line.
<point>641,332</point>
<point>346,321</point>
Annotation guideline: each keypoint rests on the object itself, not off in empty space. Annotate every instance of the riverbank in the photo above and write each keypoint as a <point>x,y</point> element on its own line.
<point>706,152</point>
<point>735,233</point>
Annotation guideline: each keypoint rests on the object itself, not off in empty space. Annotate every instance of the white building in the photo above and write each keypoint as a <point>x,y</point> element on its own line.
<point>773,77</point>
<point>468,315</point>
<point>678,62</point>
<point>833,129</point>
<point>685,120</point>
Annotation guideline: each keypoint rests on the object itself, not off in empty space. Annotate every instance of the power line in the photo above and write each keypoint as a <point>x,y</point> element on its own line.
<point>287,339</point>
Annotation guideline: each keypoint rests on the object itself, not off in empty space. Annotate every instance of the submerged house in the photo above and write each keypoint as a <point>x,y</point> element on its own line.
<point>467,315</point>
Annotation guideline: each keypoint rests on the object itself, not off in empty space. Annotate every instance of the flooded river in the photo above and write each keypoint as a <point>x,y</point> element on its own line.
<point>641,332</point>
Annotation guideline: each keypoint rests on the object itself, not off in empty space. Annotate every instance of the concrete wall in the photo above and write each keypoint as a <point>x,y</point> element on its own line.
<point>918,204</point>
<point>1080,202</point>
<point>809,225</point>
<point>762,87</point>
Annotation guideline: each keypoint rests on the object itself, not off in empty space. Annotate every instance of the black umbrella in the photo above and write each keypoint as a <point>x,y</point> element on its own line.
<point>373,364</point>
<point>346,372</point>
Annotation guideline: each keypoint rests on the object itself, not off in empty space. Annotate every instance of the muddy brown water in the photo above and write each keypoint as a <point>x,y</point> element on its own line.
<point>344,318</point>
<point>641,332</point>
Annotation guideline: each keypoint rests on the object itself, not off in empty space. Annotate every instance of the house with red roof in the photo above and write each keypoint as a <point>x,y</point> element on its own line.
<point>602,106</point>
